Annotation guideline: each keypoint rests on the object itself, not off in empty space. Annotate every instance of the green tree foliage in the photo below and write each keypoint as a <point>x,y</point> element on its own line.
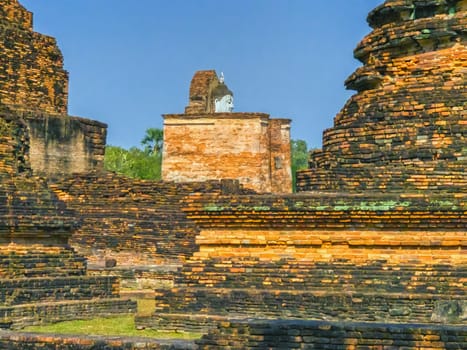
<point>135,162</point>
<point>299,150</point>
<point>153,141</point>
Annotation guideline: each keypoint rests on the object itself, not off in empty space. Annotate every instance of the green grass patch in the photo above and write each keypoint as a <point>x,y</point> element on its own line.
<point>112,326</point>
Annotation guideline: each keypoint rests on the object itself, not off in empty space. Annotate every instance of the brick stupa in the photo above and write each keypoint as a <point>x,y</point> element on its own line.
<point>405,128</point>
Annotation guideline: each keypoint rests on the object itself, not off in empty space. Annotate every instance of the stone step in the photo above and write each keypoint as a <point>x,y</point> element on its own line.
<point>18,340</point>
<point>310,304</point>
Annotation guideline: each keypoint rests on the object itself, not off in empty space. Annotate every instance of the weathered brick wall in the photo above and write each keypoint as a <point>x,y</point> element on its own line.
<point>368,257</point>
<point>332,335</point>
<point>281,162</point>
<point>48,288</point>
<point>53,297</point>
<point>27,206</point>
<point>14,146</point>
<point>333,275</point>
<point>42,279</point>
<point>65,145</point>
<point>405,128</point>
<point>15,14</point>
<point>323,244</point>
<point>136,222</point>
<point>41,260</point>
<point>30,341</point>
<point>336,289</point>
<point>30,212</point>
<point>244,286</point>
<point>31,65</point>
<point>41,313</point>
<point>228,146</point>
<point>335,211</point>
<point>50,145</point>
<point>200,100</point>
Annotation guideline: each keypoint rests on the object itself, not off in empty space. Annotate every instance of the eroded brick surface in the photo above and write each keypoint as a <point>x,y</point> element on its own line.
<point>339,257</point>
<point>392,258</point>
<point>136,222</point>
<point>405,128</point>
<point>31,64</point>
<point>330,335</point>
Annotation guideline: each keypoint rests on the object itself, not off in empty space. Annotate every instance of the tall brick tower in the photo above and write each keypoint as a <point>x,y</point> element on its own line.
<point>31,64</point>
<point>405,128</point>
<point>34,88</point>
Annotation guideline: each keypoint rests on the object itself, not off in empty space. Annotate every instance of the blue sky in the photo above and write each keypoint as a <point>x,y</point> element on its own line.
<point>132,61</point>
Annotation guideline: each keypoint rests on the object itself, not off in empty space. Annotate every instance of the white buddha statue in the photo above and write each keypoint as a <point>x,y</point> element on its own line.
<point>223,97</point>
<point>224,104</point>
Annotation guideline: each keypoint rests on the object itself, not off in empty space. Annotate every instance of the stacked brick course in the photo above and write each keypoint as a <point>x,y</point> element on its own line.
<point>393,258</point>
<point>405,128</point>
<point>31,65</point>
<point>42,279</point>
<point>332,336</point>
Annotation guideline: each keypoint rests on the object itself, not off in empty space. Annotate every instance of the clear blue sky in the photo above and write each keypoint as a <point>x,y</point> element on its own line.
<point>132,60</point>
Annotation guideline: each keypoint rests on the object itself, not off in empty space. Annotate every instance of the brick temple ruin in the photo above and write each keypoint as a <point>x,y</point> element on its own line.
<point>377,236</point>
<point>204,144</point>
<point>42,278</point>
<point>370,254</point>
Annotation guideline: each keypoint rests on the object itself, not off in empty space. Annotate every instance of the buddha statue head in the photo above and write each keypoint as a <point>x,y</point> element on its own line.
<point>223,97</point>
